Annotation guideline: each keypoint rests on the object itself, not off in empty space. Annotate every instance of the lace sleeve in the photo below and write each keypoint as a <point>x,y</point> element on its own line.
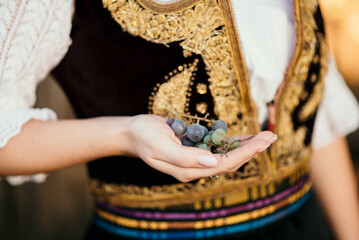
<point>34,36</point>
<point>338,114</point>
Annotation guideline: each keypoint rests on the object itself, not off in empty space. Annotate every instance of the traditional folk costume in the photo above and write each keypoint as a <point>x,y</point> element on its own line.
<point>253,64</point>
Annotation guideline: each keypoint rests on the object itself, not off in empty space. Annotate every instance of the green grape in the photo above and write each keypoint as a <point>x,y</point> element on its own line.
<point>219,136</point>
<point>234,143</point>
<point>197,144</point>
<point>210,132</point>
<point>207,139</point>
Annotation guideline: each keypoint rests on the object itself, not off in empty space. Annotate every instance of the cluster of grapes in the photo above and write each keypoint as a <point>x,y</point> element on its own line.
<point>197,135</point>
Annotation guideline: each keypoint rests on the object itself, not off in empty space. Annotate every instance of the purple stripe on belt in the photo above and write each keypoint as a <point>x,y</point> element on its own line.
<point>202,215</point>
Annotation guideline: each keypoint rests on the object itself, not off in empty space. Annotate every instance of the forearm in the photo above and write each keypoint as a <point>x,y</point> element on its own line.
<point>335,184</point>
<point>47,146</point>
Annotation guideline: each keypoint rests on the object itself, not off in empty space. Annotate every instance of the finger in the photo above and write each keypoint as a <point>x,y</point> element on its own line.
<point>244,137</point>
<point>187,157</point>
<point>267,136</point>
<point>184,174</point>
<point>252,147</point>
<point>162,119</point>
<point>239,156</point>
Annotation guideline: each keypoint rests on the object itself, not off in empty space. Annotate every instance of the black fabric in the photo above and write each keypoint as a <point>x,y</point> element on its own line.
<point>308,223</point>
<point>319,19</point>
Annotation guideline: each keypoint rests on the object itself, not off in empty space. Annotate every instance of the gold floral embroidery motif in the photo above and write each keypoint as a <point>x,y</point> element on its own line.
<point>174,93</point>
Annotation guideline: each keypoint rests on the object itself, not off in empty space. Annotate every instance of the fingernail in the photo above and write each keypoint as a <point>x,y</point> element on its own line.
<point>208,161</point>
<point>264,148</point>
<point>273,139</point>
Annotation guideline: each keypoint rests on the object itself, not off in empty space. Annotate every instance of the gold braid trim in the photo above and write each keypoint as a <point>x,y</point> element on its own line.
<point>207,193</point>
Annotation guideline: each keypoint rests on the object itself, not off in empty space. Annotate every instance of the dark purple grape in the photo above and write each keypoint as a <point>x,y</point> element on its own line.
<point>179,127</point>
<point>186,142</point>
<point>205,130</point>
<point>195,132</point>
<point>220,124</point>
<point>170,121</point>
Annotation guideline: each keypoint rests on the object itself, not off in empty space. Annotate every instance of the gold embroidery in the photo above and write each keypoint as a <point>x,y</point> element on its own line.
<point>202,107</point>
<point>312,5</point>
<point>316,96</point>
<point>169,7</point>
<point>174,93</point>
<point>201,88</point>
<point>192,195</point>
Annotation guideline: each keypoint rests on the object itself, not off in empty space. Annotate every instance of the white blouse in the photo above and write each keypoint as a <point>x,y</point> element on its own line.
<point>35,35</point>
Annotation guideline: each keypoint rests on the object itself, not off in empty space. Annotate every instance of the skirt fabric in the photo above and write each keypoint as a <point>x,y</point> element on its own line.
<point>307,223</point>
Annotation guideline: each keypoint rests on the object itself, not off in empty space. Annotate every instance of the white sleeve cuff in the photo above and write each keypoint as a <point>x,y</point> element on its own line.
<point>18,180</point>
<point>12,121</point>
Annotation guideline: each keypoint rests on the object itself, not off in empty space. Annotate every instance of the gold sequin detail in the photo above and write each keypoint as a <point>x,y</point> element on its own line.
<point>201,88</point>
<point>201,107</point>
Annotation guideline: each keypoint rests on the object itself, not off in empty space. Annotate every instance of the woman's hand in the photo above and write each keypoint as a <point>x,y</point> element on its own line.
<point>48,146</point>
<point>151,139</point>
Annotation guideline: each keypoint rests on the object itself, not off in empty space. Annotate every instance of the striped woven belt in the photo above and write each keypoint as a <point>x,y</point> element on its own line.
<point>182,222</point>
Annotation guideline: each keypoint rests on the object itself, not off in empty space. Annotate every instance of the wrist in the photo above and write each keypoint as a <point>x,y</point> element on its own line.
<point>117,135</point>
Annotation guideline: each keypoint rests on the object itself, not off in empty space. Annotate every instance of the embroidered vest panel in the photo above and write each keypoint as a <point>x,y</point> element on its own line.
<point>132,57</point>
